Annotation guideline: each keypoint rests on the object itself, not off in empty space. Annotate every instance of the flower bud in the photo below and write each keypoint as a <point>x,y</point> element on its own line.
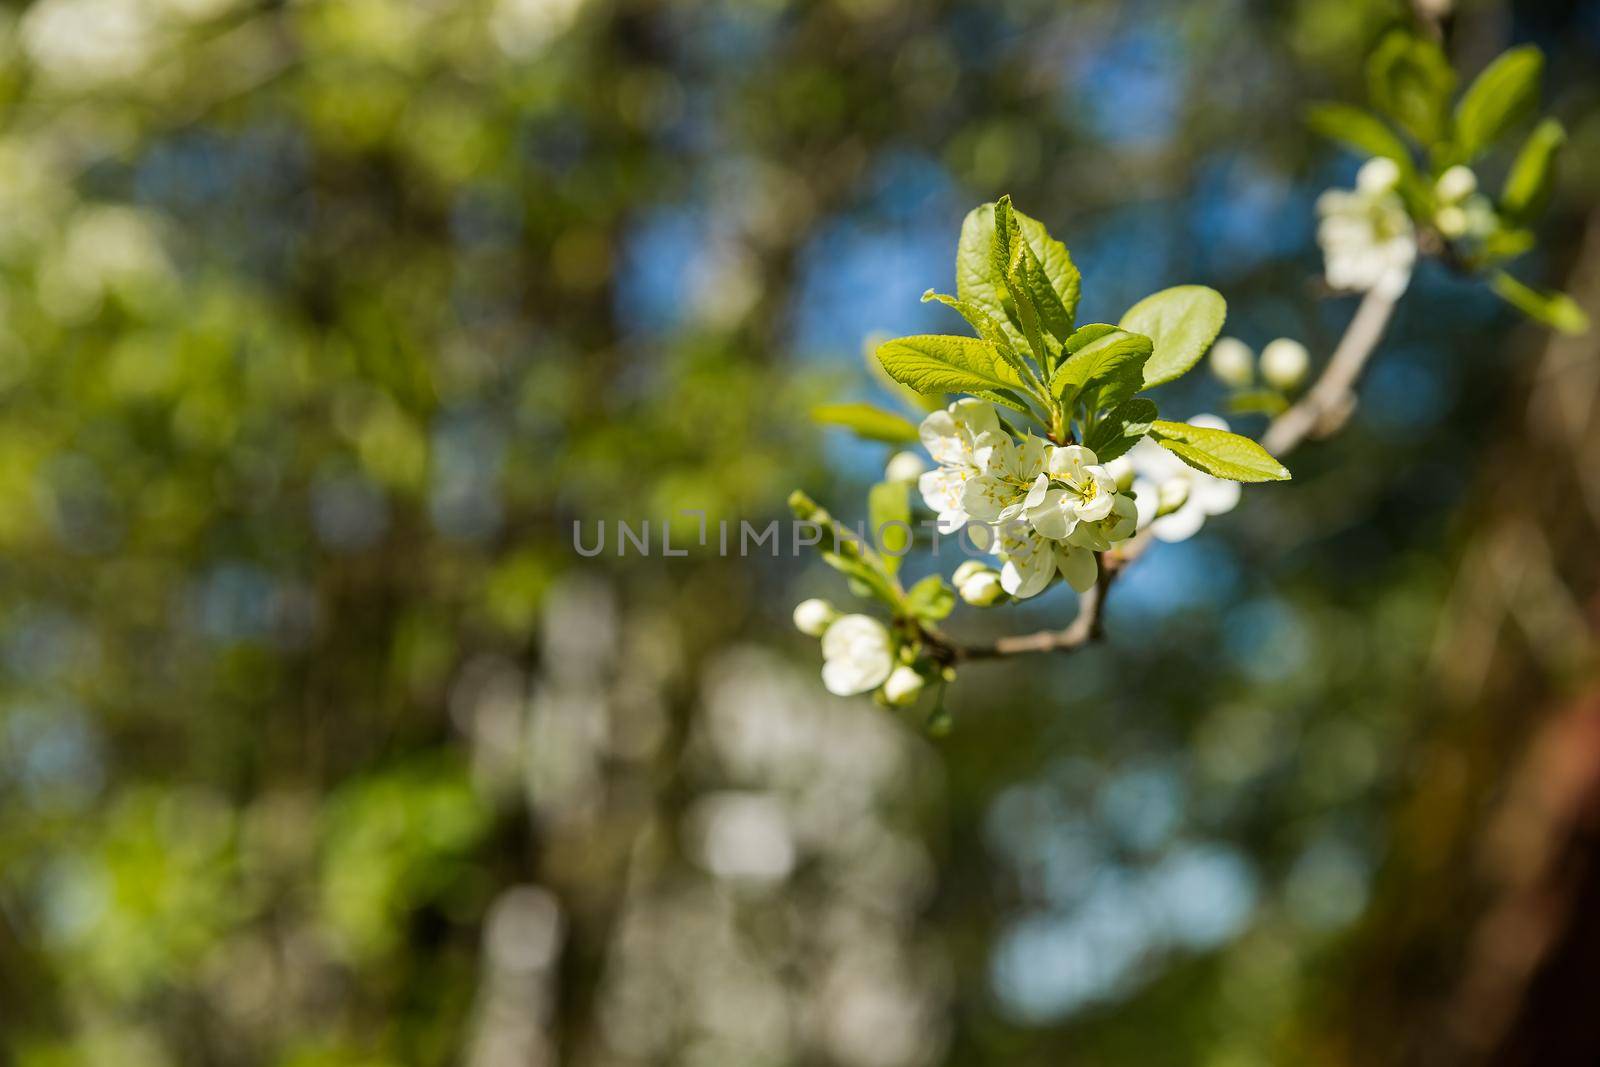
<point>1122,470</point>
<point>812,617</point>
<point>1378,175</point>
<point>904,467</point>
<point>1171,495</point>
<point>1451,221</point>
<point>903,687</point>
<point>983,589</point>
<point>965,572</point>
<point>1232,362</point>
<point>1455,185</point>
<point>1284,363</point>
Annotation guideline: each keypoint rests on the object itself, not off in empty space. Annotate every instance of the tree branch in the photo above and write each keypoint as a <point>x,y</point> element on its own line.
<point>1323,409</point>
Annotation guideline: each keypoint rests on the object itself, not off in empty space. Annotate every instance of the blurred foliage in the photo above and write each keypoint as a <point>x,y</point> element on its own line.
<point>320,323</point>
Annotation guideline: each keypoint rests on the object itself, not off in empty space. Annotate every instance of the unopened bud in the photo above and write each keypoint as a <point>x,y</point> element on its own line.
<point>1232,362</point>
<point>1284,362</point>
<point>965,572</point>
<point>1378,175</point>
<point>812,617</point>
<point>904,467</point>
<point>1455,185</point>
<point>1121,469</point>
<point>903,687</point>
<point>1171,496</point>
<point>982,590</point>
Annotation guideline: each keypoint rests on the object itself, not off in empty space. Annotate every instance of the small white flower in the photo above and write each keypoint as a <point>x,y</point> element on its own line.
<point>1089,496</point>
<point>1378,175</point>
<point>904,467</point>
<point>1232,362</point>
<point>1455,185</point>
<point>812,617</point>
<point>857,655</point>
<point>982,590</point>
<point>951,438</point>
<point>1013,478</point>
<point>966,571</point>
<point>1030,560</point>
<point>1284,362</point>
<point>903,687</point>
<point>1367,238</point>
<point>1206,495</point>
<point>1119,524</point>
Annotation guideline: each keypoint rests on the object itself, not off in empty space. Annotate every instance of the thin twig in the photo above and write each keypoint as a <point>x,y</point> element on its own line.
<point>1320,412</point>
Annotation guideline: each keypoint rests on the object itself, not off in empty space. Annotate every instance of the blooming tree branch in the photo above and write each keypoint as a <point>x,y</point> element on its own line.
<point>1054,461</point>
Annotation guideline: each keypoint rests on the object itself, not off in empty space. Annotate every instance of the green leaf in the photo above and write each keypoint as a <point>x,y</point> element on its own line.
<point>867,421</point>
<point>981,279</point>
<point>1006,398</point>
<point>933,363</point>
<point>930,599</point>
<point>1112,363</point>
<point>1502,244</point>
<point>1030,285</point>
<point>1182,322</point>
<point>991,331</point>
<point>1410,80</point>
<point>889,513</point>
<point>1361,130</point>
<point>1257,402</point>
<point>1121,428</point>
<point>1556,310</point>
<point>865,579</point>
<point>1506,91</point>
<point>977,282</point>
<point>1527,187</point>
<point>1218,452</point>
<point>1057,268</point>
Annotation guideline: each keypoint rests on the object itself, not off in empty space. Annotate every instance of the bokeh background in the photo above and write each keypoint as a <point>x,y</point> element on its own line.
<point>320,324</point>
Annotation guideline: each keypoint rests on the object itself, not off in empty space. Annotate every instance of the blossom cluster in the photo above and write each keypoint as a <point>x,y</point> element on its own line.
<point>1041,509</point>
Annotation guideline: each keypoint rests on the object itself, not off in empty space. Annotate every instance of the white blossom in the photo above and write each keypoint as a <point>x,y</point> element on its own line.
<point>1012,480</point>
<point>1455,185</point>
<point>951,438</point>
<point>1284,362</point>
<point>903,687</point>
<point>1367,238</point>
<point>1158,469</point>
<point>812,617</point>
<point>1232,362</point>
<point>1030,560</point>
<point>978,585</point>
<point>904,467</point>
<point>1089,496</point>
<point>857,655</point>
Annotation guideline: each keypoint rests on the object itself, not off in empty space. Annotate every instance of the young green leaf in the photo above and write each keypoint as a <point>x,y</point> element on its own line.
<point>865,579</point>
<point>1532,174</point>
<point>1112,363</point>
<point>1556,310</point>
<point>1021,305</point>
<point>1506,91</point>
<point>930,599</point>
<point>1006,398</point>
<point>1057,267</point>
<point>988,329</point>
<point>889,513</point>
<point>1218,452</point>
<point>1361,130</point>
<point>1039,292</point>
<point>1410,80</point>
<point>932,363</point>
<point>867,421</point>
<point>1121,428</point>
<point>977,282</point>
<point>981,275</point>
<point>1182,322</point>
